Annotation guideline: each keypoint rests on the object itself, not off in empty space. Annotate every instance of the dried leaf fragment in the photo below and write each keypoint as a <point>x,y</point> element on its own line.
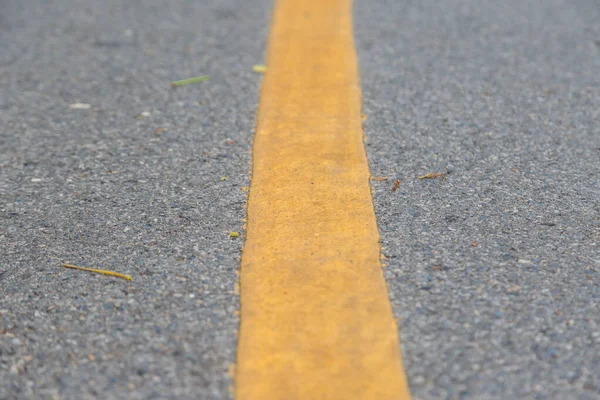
<point>433,175</point>
<point>513,289</point>
<point>379,178</point>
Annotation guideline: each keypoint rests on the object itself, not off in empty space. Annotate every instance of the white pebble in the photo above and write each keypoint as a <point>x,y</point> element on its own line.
<point>80,106</point>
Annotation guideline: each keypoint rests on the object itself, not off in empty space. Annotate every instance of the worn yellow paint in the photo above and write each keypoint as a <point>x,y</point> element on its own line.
<point>316,322</point>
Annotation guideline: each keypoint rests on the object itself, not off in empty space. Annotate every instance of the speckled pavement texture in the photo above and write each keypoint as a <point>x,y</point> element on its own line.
<point>493,269</point>
<point>99,187</point>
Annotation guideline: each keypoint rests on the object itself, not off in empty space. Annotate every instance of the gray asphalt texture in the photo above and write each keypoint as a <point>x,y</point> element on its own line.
<point>115,194</point>
<point>505,95</point>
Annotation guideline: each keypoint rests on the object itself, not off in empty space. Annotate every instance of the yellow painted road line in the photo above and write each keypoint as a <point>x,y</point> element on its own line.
<point>316,322</point>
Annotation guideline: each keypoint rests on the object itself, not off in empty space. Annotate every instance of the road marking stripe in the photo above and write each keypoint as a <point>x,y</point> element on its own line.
<point>316,322</point>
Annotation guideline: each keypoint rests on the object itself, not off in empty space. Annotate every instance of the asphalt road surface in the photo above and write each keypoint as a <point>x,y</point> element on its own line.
<point>493,268</point>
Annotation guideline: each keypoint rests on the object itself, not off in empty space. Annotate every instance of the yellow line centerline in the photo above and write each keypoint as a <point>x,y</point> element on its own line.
<point>316,322</point>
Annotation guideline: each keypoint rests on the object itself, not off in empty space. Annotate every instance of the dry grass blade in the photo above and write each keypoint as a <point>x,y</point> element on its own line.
<point>98,271</point>
<point>189,81</point>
